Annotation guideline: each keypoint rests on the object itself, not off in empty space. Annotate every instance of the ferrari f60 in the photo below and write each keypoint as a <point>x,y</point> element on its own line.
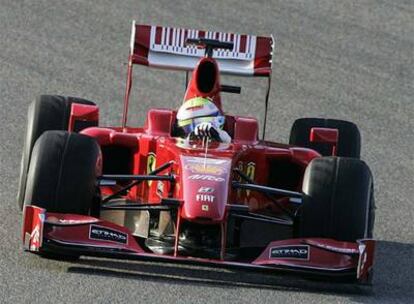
<point>148,192</point>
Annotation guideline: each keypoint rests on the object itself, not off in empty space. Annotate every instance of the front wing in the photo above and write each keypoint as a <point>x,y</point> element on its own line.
<point>72,234</point>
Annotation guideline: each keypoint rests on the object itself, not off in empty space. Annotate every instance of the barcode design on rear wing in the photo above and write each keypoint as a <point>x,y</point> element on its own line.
<point>173,41</point>
<point>165,47</point>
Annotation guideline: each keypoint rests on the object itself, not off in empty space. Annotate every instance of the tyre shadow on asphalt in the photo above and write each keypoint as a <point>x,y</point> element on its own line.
<point>393,281</point>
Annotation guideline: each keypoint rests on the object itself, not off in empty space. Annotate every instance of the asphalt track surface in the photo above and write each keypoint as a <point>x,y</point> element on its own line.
<point>340,59</point>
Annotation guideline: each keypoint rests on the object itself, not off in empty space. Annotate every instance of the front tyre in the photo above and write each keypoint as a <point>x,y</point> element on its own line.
<point>338,201</point>
<point>62,173</point>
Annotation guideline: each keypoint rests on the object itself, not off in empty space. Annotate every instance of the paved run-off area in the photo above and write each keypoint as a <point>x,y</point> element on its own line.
<point>341,59</point>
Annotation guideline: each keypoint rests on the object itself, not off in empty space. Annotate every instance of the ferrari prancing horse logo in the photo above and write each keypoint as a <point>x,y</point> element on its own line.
<point>151,160</point>
<point>250,172</point>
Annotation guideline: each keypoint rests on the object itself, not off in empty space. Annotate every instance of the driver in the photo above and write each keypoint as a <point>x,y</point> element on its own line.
<point>202,117</point>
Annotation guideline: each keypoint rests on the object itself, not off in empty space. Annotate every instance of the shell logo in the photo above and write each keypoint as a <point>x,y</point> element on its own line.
<point>205,169</point>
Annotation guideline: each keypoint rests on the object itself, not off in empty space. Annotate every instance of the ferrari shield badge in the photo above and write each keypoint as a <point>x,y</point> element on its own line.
<point>151,161</point>
<point>250,172</point>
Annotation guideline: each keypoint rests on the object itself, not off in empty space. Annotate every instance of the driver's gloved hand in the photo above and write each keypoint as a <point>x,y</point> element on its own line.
<point>204,129</point>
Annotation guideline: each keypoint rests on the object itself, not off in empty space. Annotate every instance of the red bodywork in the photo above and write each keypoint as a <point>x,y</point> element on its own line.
<point>202,187</point>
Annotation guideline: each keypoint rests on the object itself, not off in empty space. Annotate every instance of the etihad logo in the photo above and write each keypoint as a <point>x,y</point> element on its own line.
<point>290,252</point>
<point>105,234</point>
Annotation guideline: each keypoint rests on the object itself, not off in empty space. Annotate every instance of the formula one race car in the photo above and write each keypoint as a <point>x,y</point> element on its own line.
<point>153,192</point>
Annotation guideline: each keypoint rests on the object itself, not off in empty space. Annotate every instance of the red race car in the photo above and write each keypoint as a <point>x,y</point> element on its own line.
<point>197,185</point>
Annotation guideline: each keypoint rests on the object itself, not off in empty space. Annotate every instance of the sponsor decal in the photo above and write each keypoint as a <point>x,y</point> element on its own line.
<point>206,177</point>
<point>250,172</point>
<point>205,190</point>
<point>106,234</point>
<point>204,207</point>
<point>151,161</point>
<point>195,108</point>
<point>332,248</point>
<point>207,168</point>
<point>202,160</point>
<point>205,198</point>
<point>160,188</point>
<point>290,252</point>
<point>59,221</point>
<point>35,239</point>
<point>362,260</point>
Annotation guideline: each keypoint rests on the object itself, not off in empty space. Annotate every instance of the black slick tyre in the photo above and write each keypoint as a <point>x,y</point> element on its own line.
<point>338,200</point>
<point>47,112</point>
<point>349,142</point>
<point>62,173</point>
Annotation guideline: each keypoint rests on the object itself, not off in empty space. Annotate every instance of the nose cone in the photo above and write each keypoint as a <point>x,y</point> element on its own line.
<point>205,184</point>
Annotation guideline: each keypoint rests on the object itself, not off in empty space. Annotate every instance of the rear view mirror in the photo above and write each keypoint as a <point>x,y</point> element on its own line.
<point>81,113</point>
<point>325,135</point>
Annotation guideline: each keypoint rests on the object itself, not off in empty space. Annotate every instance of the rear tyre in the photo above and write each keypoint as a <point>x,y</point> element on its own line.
<point>349,144</point>
<point>47,112</point>
<point>338,201</point>
<point>62,173</point>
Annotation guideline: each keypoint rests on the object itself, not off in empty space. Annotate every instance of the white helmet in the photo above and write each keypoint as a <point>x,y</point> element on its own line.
<point>198,110</point>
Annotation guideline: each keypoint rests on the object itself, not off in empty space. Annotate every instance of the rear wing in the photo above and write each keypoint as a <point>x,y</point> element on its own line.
<point>165,47</point>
